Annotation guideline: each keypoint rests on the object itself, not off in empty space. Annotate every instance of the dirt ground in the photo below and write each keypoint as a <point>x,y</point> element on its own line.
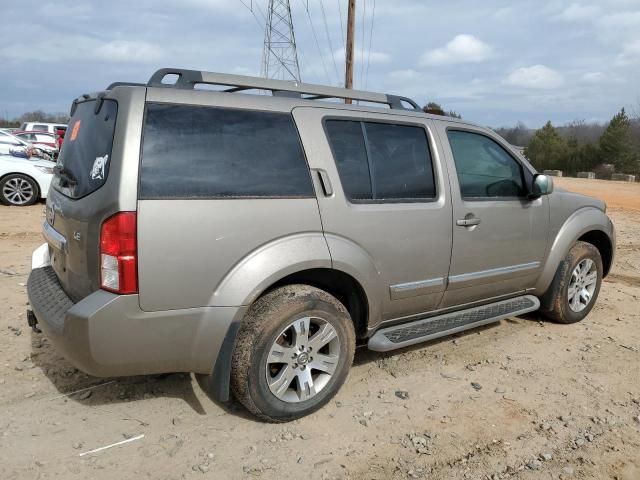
<point>556,401</point>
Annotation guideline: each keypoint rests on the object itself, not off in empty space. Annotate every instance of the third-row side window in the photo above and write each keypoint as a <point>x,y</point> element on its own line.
<point>382,161</point>
<point>210,152</point>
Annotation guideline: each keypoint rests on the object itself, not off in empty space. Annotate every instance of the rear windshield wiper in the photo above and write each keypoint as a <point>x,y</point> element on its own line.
<point>65,175</point>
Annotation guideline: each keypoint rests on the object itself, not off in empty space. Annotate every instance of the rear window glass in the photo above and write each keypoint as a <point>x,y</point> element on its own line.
<point>350,153</point>
<point>83,165</point>
<point>382,161</point>
<point>206,152</point>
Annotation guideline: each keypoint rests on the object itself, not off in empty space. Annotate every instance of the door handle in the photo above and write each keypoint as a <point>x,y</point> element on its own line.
<point>468,222</point>
<point>325,182</point>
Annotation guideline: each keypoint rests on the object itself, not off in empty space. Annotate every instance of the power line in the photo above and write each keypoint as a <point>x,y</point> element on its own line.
<point>341,22</point>
<point>254,15</point>
<point>260,10</point>
<point>315,36</point>
<point>373,17</point>
<point>326,29</point>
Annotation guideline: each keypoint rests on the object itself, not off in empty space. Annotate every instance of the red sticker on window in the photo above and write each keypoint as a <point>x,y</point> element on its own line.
<point>76,129</point>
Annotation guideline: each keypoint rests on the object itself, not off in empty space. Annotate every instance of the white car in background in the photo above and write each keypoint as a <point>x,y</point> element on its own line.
<point>24,181</point>
<point>43,127</point>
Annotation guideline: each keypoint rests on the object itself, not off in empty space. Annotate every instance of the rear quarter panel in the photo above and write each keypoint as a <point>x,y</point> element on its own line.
<point>195,253</point>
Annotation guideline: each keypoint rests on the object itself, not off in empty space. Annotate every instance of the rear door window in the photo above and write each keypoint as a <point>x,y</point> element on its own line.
<point>210,152</point>
<point>350,153</point>
<point>382,162</point>
<point>83,165</point>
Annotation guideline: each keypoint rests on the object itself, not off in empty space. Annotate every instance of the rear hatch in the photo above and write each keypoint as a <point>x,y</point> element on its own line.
<point>77,199</point>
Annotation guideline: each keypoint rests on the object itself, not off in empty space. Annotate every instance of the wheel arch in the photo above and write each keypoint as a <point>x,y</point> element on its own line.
<point>588,224</point>
<point>335,282</point>
<point>603,243</point>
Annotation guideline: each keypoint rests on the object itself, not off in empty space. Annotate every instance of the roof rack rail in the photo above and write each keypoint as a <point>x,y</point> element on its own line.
<point>188,79</point>
<point>125,84</point>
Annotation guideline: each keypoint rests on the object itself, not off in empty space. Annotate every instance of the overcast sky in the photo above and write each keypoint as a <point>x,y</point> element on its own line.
<point>496,61</point>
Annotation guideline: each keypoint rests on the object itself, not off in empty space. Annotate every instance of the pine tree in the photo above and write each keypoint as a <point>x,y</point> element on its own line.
<point>547,149</point>
<point>433,108</point>
<point>436,109</point>
<point>616,145</point>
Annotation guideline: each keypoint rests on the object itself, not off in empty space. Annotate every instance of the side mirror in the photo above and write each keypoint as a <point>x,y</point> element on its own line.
<point>542,185</point>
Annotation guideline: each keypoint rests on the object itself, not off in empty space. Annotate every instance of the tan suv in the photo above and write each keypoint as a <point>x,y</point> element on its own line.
<point>255,239</point>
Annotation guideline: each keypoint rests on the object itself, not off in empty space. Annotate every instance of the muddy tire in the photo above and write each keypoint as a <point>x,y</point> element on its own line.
<point>576,285</point>
<point>293,353</point>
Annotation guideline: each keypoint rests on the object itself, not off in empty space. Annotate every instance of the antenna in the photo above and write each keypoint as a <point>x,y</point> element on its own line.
<point>280,57</point>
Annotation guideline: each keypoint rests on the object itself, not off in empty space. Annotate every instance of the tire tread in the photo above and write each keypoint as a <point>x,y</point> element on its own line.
<point>554,300</point>
<point>262,312</point>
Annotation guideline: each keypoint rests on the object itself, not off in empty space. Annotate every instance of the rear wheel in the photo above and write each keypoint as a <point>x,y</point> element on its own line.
<point>293,353</point>
<point>18,190</point>
<point>576,285</point>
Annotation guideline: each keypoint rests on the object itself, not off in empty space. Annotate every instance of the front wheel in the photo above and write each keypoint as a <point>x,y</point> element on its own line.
<point>576,285</point>
<point>293,353</point>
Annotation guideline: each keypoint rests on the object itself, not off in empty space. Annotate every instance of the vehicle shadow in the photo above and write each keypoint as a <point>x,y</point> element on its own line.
<point>77,386</point>
<point>85,389</point>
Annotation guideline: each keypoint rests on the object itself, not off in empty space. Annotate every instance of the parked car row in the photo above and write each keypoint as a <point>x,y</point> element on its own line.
<point>47,143</point>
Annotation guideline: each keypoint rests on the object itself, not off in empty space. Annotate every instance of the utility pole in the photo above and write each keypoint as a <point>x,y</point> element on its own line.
<point>351,26</point>
<point>280,56</point>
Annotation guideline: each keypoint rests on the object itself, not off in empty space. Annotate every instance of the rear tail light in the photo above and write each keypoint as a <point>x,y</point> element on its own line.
<point>119,254</point>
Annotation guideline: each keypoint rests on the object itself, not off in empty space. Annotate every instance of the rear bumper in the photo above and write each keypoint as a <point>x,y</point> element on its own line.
<point>109,335</point>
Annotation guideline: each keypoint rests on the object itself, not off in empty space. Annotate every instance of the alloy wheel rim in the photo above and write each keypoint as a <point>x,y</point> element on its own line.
<point>582,285</point>
<point>17,191</point>
<point>303,359</point>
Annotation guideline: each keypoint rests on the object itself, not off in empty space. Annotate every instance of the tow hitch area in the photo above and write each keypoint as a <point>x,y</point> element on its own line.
<point>33,321</point>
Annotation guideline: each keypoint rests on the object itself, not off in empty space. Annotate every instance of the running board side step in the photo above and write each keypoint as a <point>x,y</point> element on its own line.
<point>431,328</point>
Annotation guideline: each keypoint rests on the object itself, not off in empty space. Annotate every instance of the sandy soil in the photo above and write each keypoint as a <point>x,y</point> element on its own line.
<point>617,194</point>
<point>556,401</point>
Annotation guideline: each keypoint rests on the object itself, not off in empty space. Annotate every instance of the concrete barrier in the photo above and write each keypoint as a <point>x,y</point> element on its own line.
<point>622,177</point>
<point>586,174</point>
<point>553,173</point>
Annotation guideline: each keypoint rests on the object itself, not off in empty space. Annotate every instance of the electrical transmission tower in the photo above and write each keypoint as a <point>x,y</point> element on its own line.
<point>280,57</point>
